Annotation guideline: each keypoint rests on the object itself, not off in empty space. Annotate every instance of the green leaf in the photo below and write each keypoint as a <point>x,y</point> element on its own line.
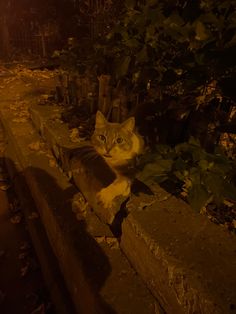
<point>221,168</point>
<point>142,56</point>
<point>201,31</point>
<point>198,197</point>
<point>151,3</point>
<point>214,184</point>
<point>229,191</point>
<point>139,21</point>
<point>231,43</point>
<point>194,141</point>
<point>155,16</point>
<point>118,30</point>
<point>150,33</point>
<point>209,18</point>
<point>180,164</point>
<point>123,66</point>
<point>132,43</point>
<point>159,168</point>
<point>190,152</point>
<point>180,175</point>
<point>130,3</point>
<point>203,164</point>
<point>195,175</point>
<point>163,149</point>
<point>174,20</point>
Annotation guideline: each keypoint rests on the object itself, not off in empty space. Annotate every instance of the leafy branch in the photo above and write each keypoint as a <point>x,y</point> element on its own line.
<point>202,177</point>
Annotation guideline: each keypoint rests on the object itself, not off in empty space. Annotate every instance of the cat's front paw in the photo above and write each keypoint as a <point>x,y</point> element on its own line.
<point>104,199</point>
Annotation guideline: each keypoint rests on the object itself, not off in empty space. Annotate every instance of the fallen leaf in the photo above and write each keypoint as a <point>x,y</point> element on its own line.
<point>112,242</point>
<point>33,298</point>
<point>25,246</point>
<point>79,203</point>
<point>24,270</point>
<point>34,146</point>
<point>39,310</point>
<point>20,120</point>
<point>5,187</point>
<point>33,215</point>
<point>52,163</point>
<point>228,203</point>
<point>123,273</point>
<point>14,207</point>
<point>100,239</point>
<point>22,255</point>
<point>16,219</point>
<point>74,135</point>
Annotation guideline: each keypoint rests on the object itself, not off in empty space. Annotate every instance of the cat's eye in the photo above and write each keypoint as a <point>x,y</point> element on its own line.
<point>119,140</point>
<point>102,138</point>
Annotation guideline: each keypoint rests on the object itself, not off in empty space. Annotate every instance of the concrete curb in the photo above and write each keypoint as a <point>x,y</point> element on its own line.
<point>49,264</point>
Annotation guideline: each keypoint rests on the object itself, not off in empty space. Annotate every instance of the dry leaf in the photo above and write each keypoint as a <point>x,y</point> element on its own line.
<point>20,120</point>
<point>22,255</point>
<point>39,310</point>
<point>5,187</point>
<point>16,219</point>
<point>34,146</point>
<point>24,270</point>
<point>112,242</point>
<point>25,246</point>
<point>52,163</point>
<point>79,203</point>
<point>100,239</point>
<point>228,203</point>
<point>74,135</point>
<point>33,215</point>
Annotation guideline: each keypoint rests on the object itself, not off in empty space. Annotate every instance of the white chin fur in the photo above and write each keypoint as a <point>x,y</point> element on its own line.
<point>116,162</point>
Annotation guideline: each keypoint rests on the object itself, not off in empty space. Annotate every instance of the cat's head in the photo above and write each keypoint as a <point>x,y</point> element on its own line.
<point>116,142</point>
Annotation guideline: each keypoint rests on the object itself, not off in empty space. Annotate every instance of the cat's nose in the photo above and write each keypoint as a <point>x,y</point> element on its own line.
<point>108,149</point>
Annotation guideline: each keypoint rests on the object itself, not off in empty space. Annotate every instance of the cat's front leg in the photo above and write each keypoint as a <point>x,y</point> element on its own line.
<point>120,187</point>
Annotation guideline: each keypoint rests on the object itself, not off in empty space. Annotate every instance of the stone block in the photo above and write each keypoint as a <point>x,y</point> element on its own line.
<point>188,262</point>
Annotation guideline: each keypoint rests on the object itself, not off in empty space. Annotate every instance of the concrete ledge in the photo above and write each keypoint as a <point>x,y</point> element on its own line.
<point>188,263</point>
<point>46,120</point>
<point>98,276</point>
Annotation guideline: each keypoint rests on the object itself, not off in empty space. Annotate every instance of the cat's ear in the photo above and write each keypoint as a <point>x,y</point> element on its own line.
<point>129,124</point>
<point>100,120</point>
